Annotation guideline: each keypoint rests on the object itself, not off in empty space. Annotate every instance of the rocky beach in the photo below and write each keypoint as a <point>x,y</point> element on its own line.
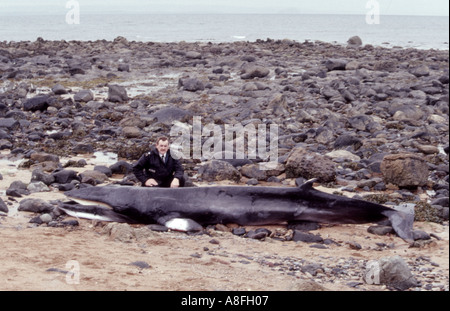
<point>368,122</point>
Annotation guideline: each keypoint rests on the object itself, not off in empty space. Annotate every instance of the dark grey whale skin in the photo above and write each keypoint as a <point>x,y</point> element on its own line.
<point>243,205</point>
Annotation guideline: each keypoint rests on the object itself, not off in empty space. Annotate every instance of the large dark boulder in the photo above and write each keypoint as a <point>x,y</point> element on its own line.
<point>36,103</point>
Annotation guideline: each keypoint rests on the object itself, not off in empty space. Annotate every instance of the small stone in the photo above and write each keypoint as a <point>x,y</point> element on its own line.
<point>3,207</point>
<point>214,241</point>
<point>354,245</point>
<point>140,264</point>
<point>238,231</point>
<point>306,237</point>
<point>256,235</point>
<point>380,230</point>
<point>117,94</point>
<point>354,41</point>
<point>196,255</point>
<point>46,218</point>
<point>158,228</point>
<point>83,96</point>
<point>58,89</point>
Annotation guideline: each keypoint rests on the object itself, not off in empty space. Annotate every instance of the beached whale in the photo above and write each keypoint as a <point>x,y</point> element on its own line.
<point>188,209</point>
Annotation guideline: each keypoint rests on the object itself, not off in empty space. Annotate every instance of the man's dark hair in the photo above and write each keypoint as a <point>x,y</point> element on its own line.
<point>163,138</point>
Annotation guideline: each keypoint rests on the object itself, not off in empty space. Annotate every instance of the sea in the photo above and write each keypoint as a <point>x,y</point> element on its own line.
<point>421,32</point>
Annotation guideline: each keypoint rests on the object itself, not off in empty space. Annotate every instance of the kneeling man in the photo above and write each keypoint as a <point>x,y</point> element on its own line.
<point>157,168</point>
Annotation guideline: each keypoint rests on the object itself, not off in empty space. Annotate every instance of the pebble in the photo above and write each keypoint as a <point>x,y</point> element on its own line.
<point>141,264</point>
<point>46,218</point>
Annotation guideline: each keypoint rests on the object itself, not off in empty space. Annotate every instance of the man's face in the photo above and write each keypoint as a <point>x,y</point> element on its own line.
<point>162,146</point>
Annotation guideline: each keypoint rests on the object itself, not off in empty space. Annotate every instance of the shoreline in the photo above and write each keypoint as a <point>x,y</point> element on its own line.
<point>238,39</point>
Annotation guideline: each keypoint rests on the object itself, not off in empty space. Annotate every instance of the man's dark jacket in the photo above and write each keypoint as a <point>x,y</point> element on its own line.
<point>150,165</point>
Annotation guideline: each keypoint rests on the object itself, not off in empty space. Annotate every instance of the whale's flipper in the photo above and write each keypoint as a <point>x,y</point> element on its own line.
<point>183,224</point>
<point>94,212</point>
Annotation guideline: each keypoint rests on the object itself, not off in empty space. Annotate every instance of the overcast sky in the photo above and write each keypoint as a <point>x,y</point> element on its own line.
<point>388,7</point>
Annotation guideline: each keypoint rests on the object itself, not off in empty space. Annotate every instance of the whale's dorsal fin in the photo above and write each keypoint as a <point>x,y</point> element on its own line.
<point>307,185</point>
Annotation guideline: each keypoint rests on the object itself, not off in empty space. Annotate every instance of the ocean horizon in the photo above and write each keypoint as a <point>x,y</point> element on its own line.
<point>421,32</point>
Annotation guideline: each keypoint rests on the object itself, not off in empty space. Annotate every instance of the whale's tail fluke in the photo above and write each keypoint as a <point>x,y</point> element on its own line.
<point>402,223</point>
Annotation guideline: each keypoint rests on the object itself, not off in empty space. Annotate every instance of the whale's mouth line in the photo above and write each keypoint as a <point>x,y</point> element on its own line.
<point>86,202</point>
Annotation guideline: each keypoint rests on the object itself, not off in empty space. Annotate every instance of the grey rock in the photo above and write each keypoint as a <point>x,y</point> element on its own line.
<point>405,170</point>
<point>238,231</point>
<point>121,167</point>
<point>17,189</point>
<point>140,264</point>
<point>256,235</point>
<point>120,232</point>
<point>354,245</point>
<point>5,144</point>
<point>193,55</point>
<point>391,271</point>
<point>66,187</point>
<point>3,207</point>
<point>123,67</point>
<point>82,148</point>
<point>39,175</point>
<point>302,163</point>
<point>36,103</point>
<point>252,182</point>
<point>253,171</point>
<point>65,176</point>
<point>35,206</point>
<point>217,170</point>
<point>83,96</point>
<point>37,186</point>
<point>74,70</point>
<point>103,169</point>
<point>251,72</point>
<point>158,228</point>
<point>354,41</point>
<point>381,230</point>
<point>58,89</point>
<point>46,218</point>
<point>93,177</point>
<point>444,201</point>
<point>168,115</point>
<point>131,132</point>
<point>9,123</point>
<point>444,79</point>
<point>360,122</point>
<point>335,64</point>
<point>420,235</point>
<point>40,157</point>
<point>420,71</point>
<point>117,94</point>
<point>312,268</point>
<point>300,236</point>
<point>191,84</point>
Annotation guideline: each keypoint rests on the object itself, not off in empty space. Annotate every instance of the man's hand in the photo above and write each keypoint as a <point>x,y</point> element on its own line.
<point>151,183</point>
<point>175,183</point>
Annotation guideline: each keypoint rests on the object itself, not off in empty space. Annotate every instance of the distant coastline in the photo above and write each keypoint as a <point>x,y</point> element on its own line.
<point>420,32</point>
